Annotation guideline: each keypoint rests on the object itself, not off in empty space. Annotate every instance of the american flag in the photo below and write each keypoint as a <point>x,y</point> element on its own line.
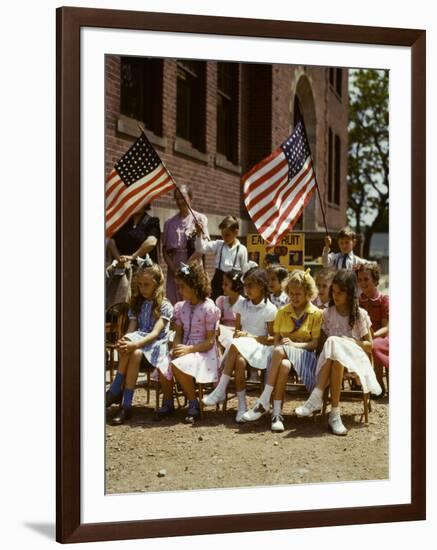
<point>279,187</point>
<point>136,179</point>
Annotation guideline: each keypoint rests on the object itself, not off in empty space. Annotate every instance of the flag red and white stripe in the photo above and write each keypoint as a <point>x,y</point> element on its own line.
<point>136,179</point>
<point>279,187</point>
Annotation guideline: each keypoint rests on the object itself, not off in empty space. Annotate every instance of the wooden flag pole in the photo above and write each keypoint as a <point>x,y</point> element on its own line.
<point>196,221</point>
<point>315,177</point>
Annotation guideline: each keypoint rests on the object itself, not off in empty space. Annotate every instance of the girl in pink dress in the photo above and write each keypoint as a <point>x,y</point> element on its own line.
<point>194,356</point>
<point>232,293</point>
<point>178,239</point>
<point>377,306</point>
<point>346,328</point>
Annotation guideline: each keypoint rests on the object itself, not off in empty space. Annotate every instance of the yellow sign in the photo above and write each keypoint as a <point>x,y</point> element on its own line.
<point>289,252</point>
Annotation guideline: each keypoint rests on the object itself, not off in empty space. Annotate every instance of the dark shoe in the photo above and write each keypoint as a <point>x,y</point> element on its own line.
<point>112,399</point>
<point>193,412</point>
<point>166,410</point>
<point>122,415</point>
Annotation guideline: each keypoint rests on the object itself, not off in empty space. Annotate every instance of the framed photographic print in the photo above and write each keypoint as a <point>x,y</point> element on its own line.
<point>164,118</point>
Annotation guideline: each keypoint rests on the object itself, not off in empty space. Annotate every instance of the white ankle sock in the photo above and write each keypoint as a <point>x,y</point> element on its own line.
<point>277,407</point>
<point>317,392</point>
<point>223,383</point>
<point>264,398</point>
<point>335,411</point>
<point>242,400</point>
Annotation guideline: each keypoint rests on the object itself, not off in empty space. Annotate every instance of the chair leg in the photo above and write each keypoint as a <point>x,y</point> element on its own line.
<point>148,387</point>
<point>200,386</point>
<point>325,401</point>
<point>366,407</point>
<point>157,392</point>
<point>111,365</point>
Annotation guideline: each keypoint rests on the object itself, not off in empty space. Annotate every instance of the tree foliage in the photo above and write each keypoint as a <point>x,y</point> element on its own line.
<point>368,159</point>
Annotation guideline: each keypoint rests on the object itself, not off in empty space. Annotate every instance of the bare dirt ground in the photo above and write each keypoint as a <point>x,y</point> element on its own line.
<point>145,455</point>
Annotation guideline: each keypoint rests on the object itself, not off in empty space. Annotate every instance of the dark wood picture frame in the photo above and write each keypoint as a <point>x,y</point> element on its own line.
<point>68,523</point>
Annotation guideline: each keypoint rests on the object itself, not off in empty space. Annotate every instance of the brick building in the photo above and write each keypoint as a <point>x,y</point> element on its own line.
<point>212,121</point>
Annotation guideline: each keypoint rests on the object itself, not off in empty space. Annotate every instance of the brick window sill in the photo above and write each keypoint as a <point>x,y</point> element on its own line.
<point>223,162</point>
<point>129,126</point>
<point>185,148</point>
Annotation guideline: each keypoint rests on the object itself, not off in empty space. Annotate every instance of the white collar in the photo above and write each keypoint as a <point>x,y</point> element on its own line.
<point>236,243</point>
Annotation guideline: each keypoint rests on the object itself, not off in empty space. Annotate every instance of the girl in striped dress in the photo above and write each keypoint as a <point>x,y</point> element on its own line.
<point>146,337</point>
<point>297,330</point>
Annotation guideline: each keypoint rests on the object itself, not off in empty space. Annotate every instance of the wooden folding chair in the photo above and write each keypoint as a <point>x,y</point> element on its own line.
<point>115,327</point>
<point>352,391</point>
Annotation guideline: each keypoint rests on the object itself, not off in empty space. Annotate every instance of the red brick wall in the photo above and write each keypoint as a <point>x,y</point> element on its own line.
<point>265,119</point>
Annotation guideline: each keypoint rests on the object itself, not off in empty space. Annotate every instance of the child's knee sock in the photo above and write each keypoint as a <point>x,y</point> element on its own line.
<point>127,399</point>
<point>265,396</point>
<point>223,383</point>
<point>277,407</point>
<point>117,384</point>
<point>242,400</point>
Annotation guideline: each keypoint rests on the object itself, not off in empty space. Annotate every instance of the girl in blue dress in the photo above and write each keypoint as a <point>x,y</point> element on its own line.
<point>146,337</point>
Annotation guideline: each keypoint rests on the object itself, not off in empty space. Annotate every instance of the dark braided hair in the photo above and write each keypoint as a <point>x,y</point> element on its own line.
<point>234,277</point>
<point>258,275</point>
<point>347,282</point>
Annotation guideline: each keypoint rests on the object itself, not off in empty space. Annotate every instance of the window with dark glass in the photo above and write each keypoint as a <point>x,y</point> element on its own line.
<point>330,171</point>
<point>227,110</point>
<point>190,114</point>
<point>336,80</point>
<point>337,172</point>
<point>334,167</point>
<point>141,91</point>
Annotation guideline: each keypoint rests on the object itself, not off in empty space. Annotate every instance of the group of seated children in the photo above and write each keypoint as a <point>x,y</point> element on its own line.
<point>266,320</point>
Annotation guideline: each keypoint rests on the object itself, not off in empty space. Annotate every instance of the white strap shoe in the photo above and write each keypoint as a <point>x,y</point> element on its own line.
<point>312,404</point>
<point>214,398</point>
<point>255,413</point>
<point>278,423</point>
<point>336,425</point>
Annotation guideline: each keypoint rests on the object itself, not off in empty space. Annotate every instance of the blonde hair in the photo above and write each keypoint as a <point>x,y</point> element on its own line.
<point>304,280</point>
<point>137,299</point>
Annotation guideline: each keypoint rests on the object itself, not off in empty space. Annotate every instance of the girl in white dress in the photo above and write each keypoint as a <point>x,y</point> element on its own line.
<point>277,275</point>
<point>348,343</point>
<point>253,339</point>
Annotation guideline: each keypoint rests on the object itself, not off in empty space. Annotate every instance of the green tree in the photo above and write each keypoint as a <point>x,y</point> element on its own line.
<point>368,159</point>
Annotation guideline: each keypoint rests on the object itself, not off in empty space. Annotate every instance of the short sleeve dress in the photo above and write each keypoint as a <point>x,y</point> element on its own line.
<point>345,351</point>
<point>227,321</point>
<point>196,320</point>
<point>378,309</point>
<point>156,353</point>
<point>254,319</point>
<point>279,301</point>
<point>177,231</point>
<point>304,328</point>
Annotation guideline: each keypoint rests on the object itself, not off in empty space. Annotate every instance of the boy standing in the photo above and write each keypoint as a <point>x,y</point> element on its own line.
<point>345,259</point>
